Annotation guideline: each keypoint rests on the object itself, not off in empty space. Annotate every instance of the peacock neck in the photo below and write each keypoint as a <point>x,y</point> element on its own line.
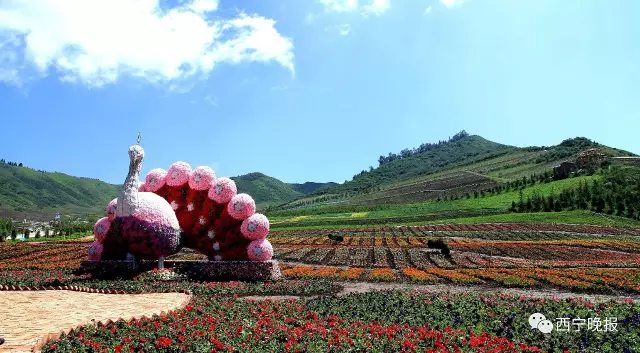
<point>128,197</point>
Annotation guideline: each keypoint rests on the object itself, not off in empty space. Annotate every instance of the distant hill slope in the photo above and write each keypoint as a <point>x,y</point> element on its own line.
<point>266,190</point>
<point>25,190</point>
<point>430,161</point>
<point>311,187</point>
<point>462,165</point>
<point>33,194</point>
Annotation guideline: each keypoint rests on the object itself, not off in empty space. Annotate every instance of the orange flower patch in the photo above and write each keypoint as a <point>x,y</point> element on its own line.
<point>382,274</point>
<point>351,273</point>
<point>418,275</point>
<point>454,276</point>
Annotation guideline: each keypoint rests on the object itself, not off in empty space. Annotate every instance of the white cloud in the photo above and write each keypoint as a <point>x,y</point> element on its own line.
<point>9,60</point>
<point>211,100</point>
<point>376,7</point>
<point>203,6</point>
<point>94,42</point>
<point>452,3</point>
<point>340,5</point>
<point>428,10</point>
<point>342,30</point>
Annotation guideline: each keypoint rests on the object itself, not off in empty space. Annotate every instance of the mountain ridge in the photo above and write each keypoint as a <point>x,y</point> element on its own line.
<point>26,190</point>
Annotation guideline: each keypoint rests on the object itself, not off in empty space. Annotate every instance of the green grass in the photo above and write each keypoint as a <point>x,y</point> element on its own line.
<point>504,200</point>
<point>472,210</point>
<point>501,201</point>
<point>565,217</point>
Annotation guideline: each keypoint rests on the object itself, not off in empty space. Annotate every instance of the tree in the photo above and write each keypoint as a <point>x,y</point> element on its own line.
<point>38,233</point>
<point>529,205</point>
<point>557,206</point>
<point>599,203</point>
<point>536,203</point>
<point>620,208</point>
<point>14,234</point>
<point>546,206</point>
<point>631,211</point>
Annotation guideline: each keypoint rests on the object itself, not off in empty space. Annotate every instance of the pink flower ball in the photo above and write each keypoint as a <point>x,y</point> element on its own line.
<point>155,179</point>
<point>241,206</point>
<point>178,174</point>
<point>260,250</point>
<point>112,207</point>
<point>101,228</point>
<point>202,178</point>
<point>255,227</point>
<point>222,190</point>
<point>142,187</point>
<point>95,251</point>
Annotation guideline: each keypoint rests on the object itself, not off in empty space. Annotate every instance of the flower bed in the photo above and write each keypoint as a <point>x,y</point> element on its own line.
<point>200,270</point>
<point>415,275</point>
<point>382,274</point>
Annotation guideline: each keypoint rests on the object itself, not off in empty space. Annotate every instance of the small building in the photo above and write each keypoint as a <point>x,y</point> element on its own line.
<point>564,170</point>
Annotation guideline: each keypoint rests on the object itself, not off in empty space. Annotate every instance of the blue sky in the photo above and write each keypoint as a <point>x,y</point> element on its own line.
<point>307,90</point>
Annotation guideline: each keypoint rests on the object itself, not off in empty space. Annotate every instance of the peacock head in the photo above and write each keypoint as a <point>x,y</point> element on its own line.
<point>136,154</point>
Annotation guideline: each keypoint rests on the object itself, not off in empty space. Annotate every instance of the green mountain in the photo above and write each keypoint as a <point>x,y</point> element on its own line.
<point>311,187</point>
<point>464,164</point>
<point>29,192</point>
<point>266,190</point>
<point>420,161</point>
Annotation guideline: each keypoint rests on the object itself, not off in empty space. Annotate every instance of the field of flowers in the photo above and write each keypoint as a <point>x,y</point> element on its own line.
<point>581,259</point>
<point>512,255</point>
<point>219,319</point>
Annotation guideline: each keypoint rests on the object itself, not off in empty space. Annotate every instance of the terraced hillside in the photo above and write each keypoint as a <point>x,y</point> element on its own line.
<point>468,164</point>
<point>456,183</point>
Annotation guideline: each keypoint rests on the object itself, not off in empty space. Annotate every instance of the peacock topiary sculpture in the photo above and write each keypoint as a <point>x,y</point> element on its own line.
<point>180,207</point>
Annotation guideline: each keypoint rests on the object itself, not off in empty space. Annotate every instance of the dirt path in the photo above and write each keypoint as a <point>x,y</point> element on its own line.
<point>27,317</point>
<point>362,287</point>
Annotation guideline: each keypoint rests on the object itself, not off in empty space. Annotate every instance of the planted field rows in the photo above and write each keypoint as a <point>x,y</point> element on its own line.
<point>601,280</point>
<point>464,255</point>
<point>489,227</point>
<point>42,256</point>
<point>455,184</point>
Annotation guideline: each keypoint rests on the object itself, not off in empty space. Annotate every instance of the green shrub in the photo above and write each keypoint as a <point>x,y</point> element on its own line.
<point>439,244</point>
